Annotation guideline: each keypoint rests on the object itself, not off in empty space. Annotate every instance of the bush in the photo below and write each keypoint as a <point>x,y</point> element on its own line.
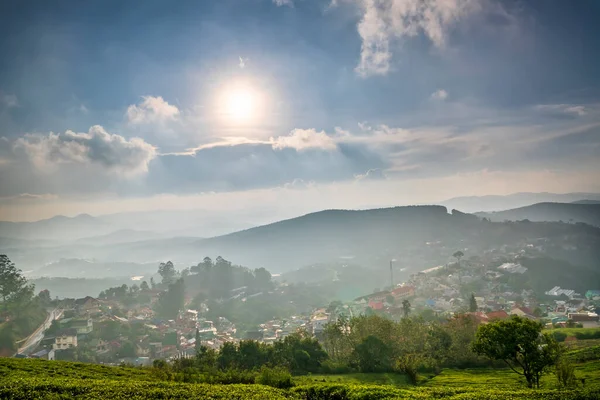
<point>559,336</point>
<point>275,377</point>
<point>565,374</point>
<point>332,367</point>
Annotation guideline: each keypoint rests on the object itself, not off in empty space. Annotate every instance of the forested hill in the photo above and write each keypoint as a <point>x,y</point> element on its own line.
<point>417,236</point>
<point>588,213</point>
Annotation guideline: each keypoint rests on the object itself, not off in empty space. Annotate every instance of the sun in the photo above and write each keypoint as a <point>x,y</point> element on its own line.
<point>241,102</point>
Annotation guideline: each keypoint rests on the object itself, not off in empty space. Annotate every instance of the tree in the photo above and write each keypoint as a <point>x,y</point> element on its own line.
<point>144,286</point>
<point>406,308</point>
<point>167,272</point>
<point>520,344</point>
<point>262,279</point>
<point>13,284</point>
<point>45,297</point>
<point>372,355</point>
<point>390,299</point>
<point>472,303</point>
<point>152,283</point>
<point>171,301</point>
<point>458,255</point>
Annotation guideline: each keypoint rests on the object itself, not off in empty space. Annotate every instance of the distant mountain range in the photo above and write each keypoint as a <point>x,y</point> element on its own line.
<point>587,212</point>
<point>416,236</point>
<point>475,204</point>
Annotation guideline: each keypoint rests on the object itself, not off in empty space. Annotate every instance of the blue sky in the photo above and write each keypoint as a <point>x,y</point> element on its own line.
<point>111,106</point>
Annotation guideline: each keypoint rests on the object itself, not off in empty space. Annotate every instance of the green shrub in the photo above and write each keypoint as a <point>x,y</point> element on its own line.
<point>332,367</point>
<point>275,377</point>
<point>559,336</point>
<point>565,374</point>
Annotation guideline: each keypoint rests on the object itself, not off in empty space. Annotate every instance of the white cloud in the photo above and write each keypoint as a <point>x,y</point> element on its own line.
<point>373,174</point>
<point>9,100</point>
<point>440,94</point>
<point>570,109</point>
<point>242,63</point>
<point>97,146</point>
<point>384,21</point>
<point>279,3</point>
<point>151,110</point>
<point>303,139</point>
<point>29,197</point>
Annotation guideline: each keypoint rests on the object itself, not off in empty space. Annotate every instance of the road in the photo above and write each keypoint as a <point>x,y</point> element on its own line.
<point>36,337</point>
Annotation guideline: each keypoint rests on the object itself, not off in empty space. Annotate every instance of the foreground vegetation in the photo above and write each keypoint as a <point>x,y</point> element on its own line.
<point>26,379</point>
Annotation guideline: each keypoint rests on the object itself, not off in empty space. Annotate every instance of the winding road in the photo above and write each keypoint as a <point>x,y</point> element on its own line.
<point>29,343</point>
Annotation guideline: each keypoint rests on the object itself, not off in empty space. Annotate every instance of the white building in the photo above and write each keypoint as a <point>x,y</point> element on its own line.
<point>65,339</point>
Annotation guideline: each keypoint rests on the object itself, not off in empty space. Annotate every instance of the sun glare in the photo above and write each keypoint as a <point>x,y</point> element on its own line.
<point>240,102</point>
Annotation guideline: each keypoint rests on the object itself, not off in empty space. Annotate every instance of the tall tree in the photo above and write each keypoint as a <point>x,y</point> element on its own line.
<point>472,303</point>
<point>172,300</point>
<point>144,286</point>
<point>167,272</point>
<point>13,284</point>
<point>458,255</point>
<point>406,308</point>
<point>518,342</point>
<point>262,279</point>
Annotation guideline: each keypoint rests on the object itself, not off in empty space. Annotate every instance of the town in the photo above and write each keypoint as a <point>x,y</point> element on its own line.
<point>127,325</point>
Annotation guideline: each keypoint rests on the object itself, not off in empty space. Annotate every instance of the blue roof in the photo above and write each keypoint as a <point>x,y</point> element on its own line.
<point>40,353</point>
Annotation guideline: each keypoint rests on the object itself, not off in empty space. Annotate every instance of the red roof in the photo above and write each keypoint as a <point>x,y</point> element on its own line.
<point>500,314</point>
<point>376,305</point>
<point>402,290</point>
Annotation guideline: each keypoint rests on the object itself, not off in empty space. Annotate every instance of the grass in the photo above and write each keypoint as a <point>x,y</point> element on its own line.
<point>577,332</point>
<point>25,368</point>
<point>356,378</point>
<point>457,378</point>
<point>25,379</point>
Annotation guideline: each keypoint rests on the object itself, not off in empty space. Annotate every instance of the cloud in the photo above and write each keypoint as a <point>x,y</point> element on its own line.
<point>151,110</point>
<point>440,94</point>
<point>568,109</point>
<point>280,3</point>
<point>374,174</point>
<point>96,147</point>
<point>29,197</point>
<point>384,21</point>
<point>9,100</point>
<point>304,139</point>
<point>242,63</point>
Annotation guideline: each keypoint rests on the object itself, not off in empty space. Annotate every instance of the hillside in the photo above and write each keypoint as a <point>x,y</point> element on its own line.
<point>497,202</point>
<point>418,237</point>
<point>585,212</point>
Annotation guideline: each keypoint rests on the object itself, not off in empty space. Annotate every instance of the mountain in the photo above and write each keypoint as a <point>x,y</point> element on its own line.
<point>496,203</point>
<point>114,227</point>
<point>56,228</point>
<point>588,213</point>
<point>586,202</point>
<point>417,237</point>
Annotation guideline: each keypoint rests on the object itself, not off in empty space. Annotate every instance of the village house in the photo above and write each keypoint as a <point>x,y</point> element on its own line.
<point>82,326</point>
<point>65,339</point>
<point>587,319</point>
<point>403,292</point>
<point>45,354</point>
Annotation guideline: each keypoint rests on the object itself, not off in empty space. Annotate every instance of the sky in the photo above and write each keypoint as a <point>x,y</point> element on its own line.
<point>293,105</point>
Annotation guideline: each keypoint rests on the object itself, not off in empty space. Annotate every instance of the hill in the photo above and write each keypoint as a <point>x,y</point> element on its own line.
<point>418,237</point>
<point>588,213</point>
<point>495,203</point>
